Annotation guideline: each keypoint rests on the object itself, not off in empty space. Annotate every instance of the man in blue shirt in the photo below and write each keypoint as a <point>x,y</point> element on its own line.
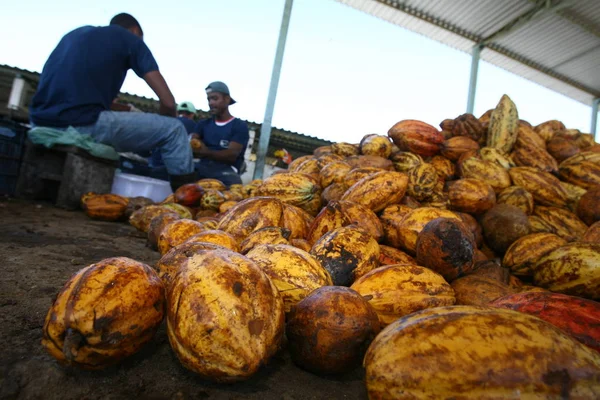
<point>85,73</point>
<point>186,112</point>
<point>224,139</point>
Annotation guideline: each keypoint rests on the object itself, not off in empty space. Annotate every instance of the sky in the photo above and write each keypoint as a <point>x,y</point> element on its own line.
<point>345,73</point>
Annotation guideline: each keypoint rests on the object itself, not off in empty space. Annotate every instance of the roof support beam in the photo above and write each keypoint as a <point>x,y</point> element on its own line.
<point>475,55</point>
<point>265,129</point>
<point>542,7</point>
<point>594,117</point>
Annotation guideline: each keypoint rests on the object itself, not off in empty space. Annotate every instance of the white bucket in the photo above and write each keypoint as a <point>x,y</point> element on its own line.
<point>129,185</point>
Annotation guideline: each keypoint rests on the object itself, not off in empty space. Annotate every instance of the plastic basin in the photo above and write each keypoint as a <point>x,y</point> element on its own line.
<point>129,185</point>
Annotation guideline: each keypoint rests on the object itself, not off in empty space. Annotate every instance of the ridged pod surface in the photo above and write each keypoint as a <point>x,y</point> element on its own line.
<point>390,256</point>
<point>104,313</point>
<point>333,172</point>
<point>495,156</point>
<point>504,125</point>
<point>572,269</point>
<point>225,317</point>
<point>544,187</point>
<point>140,219</point>
<point>294,272</point>
<point>344,149</point>
<point>104,207</point>
<point>268,235</point>
<point>518,197</point>
<point>478,289</point>
<point>379,190</point>
<point>376,145</point>
<point>585,174</point>
<point>536,157</point>
<point>404,161</point>
<point>342,213</point>
<point>578,317</point>
<point>525,252</point>
<point>592,235</point>
<point>293,188</point>
<point>566,224</point>
<point>472,196</point>
<point>170,264</point>
<point>454,147</point>
<point>176,233</point>
<point>216,236</point>
<point>347,253</point>
<point>422,181</point>
<point>398,290</point>
<point>413,223</point>
<point>491,173</point>
<point>478,353</point>
<point>250,215</point>
<point>296,220</point>
<point>417,137</point>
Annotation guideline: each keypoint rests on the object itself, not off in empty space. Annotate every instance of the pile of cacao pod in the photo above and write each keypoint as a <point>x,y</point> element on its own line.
<point>474,249</point>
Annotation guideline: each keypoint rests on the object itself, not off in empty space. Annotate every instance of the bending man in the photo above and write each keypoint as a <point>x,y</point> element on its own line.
<point>85,73</point>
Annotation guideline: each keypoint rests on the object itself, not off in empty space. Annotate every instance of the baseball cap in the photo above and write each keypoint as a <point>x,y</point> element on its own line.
<point>219,87</point>
<point>187,106</point>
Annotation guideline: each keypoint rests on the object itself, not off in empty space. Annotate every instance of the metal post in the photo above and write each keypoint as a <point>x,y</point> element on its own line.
<point>594,117</point>
<point>265,130</point>
<point>473,80</point>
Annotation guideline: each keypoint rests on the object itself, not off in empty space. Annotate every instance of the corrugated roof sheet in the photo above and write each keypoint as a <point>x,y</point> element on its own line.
<point>552,42</point>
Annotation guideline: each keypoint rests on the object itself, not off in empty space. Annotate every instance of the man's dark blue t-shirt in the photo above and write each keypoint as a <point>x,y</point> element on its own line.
<point>84,74</point>
<point>217,137</point>
<point>188,123</point>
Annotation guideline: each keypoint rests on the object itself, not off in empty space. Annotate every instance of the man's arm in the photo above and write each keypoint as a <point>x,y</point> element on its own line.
<point>228,155</point>
<point>157,83</point>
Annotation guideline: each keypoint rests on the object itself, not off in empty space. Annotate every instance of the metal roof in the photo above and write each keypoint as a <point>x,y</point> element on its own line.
<point>555,43</point>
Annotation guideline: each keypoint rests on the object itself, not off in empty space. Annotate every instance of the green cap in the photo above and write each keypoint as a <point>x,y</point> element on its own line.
<point>186,106</point>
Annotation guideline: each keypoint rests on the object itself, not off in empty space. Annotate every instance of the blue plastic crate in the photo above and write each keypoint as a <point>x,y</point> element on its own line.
<point>12,139</point>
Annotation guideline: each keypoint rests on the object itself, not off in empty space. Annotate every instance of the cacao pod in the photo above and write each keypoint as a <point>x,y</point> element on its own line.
<point>503,127</point>
<point>446,246</point>
<point>104,207</point>
<point>376,145</point>
<point>329,330</point>
<point>471,196</point>
<point>522,255</point>
<point>379,190</point>
<point>347,253</point>
<point>572,269</point>
<point>294,188</point>
<point>210,339</point>
<point>454,365</point>
<point>544,187</point>
<point>294,272</point>
<point>397,290</point>
<point>104,313</point>
<point>417,137</point>
<point>578,317</point>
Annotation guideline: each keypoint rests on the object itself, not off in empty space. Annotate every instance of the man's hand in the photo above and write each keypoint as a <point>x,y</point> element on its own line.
<point>157,83</point>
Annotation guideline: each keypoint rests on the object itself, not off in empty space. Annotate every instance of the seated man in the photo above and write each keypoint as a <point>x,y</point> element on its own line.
<point>223,137</point>
<point>85,73</point>
<point>186,112</point>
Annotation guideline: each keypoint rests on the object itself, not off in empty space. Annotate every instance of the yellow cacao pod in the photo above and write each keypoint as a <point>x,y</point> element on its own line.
<point>457,351</point>
<point>503,127</point>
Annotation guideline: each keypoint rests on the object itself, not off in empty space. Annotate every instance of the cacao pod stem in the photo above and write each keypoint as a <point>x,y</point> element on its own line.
<point>74,340</point>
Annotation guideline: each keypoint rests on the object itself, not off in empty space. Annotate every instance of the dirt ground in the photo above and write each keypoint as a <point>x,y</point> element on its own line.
<point>40,248</point>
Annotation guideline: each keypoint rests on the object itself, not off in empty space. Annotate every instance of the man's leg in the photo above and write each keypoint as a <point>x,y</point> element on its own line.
<point>222,173</point>
<point>141,132</point>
